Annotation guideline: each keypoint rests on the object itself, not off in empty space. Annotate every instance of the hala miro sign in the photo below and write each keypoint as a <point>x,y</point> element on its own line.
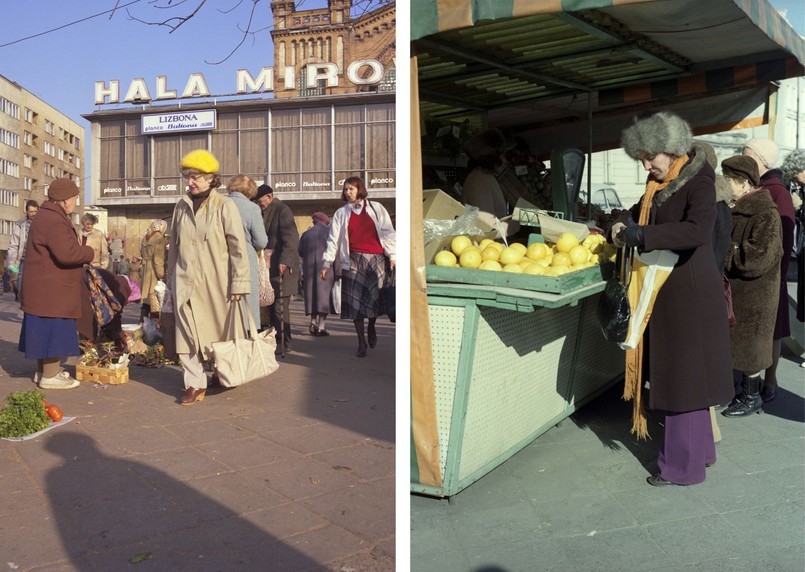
<point>181,121</point>
<point>360,72</point>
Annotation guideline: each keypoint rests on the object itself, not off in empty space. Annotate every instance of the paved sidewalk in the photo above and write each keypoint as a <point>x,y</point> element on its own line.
<point>295,472</point>
<point>576,499</point>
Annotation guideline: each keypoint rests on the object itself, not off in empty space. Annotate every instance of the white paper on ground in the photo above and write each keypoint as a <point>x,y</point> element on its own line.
<point>45,430</point>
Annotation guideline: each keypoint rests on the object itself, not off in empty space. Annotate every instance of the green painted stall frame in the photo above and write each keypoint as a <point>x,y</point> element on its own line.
<point>508,365</point>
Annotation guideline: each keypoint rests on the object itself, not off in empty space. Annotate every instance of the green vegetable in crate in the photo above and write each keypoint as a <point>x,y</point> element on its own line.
<point>24,413</point>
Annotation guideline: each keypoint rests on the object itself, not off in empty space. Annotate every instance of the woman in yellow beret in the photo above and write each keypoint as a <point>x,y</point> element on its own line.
<point>208,268</point>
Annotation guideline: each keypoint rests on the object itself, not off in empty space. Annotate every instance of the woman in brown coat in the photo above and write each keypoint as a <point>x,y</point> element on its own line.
<point>752,267</point>
<point>51,289</point>
<point>687,347</point>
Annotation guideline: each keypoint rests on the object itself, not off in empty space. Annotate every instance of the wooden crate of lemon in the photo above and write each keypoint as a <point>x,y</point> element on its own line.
<point>558,267</point>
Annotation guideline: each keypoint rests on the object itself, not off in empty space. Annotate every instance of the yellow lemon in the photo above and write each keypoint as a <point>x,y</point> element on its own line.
<point>490,253</point>
<point>497,245</point>
<point>459,243</point>
<point>561,259</point>
<point>544,262</point>
<point>559,270</point>
<point>537,250</point>
<point>578,254</point>
<point>445,258</point>
<point>490,265</point>
<point>521,247</point>
<point>510,255</point>
<point>525,262</point>
<point>566,241</point>
<point>513,268</point>
<point>595,259</point>
<point>534,269</point>
<point>484,243</point>
<point>470,258</point>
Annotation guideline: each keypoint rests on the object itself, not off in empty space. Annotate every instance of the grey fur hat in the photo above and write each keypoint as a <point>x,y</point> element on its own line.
<point>661,132</point>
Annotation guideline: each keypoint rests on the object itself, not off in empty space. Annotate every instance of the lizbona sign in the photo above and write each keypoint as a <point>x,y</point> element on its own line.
<point>360,72</point>
<point>179,121</point>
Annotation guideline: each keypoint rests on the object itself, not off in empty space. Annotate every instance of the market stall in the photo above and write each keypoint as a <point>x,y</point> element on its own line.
<point>494,366</point>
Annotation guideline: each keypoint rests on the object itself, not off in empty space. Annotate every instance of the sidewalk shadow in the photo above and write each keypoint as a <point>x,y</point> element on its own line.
<point>610,418</point>
<point>112,513</point>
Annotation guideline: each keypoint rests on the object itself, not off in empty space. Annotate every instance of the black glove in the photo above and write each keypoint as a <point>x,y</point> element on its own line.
<point>632,235</point>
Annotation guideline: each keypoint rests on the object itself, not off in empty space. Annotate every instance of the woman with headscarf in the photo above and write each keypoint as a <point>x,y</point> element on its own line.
<point>363,243</point>
<point>152,251</point>
<point>686,348</point>
<point>765,153</point>
<point>95,239</point>
<point>312,245</point>
<point>752,267</point>
<point>51,292</point>
<point>242,190</point>
<point>208,269</point>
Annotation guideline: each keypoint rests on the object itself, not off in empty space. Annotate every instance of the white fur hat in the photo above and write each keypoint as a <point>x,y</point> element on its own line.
<point>661,132</point>
<point>765,149</point>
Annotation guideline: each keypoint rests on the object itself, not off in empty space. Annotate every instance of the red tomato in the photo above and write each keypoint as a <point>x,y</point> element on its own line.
<point>55,413</point>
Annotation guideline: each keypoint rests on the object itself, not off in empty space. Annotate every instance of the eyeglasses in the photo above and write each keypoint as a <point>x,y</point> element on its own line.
<point>194,177</point>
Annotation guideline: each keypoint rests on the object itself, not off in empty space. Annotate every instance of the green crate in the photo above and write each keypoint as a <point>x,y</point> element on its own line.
<point>553,284</point>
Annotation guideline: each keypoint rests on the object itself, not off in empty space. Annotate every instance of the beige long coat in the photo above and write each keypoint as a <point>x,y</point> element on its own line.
<point>152,252</point>
<point>207,263</point>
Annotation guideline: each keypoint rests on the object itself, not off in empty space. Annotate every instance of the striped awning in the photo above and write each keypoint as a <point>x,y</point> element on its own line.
<point>554,62</point>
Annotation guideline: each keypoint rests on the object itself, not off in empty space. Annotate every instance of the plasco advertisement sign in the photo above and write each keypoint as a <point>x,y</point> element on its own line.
<point>179,121</point>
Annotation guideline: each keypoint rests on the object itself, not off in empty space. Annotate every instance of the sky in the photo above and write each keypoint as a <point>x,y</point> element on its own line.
<point>79,43</point>
<point>61,66</point>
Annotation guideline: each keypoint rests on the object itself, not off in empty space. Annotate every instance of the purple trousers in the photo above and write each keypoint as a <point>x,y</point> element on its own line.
<point>686,446</point>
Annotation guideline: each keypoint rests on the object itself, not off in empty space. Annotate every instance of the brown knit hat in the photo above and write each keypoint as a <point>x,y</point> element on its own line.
<point>741,167</point>
<point>62,189</point>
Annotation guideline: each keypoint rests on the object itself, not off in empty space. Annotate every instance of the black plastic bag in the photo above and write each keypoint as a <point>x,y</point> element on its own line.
<point>613,310</point>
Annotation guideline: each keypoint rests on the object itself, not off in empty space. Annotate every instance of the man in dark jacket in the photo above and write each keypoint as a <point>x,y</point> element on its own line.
<point>283,242</point>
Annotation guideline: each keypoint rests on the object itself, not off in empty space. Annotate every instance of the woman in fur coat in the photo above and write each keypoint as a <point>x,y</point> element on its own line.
<point>687,348</point>
<point>752,266</point>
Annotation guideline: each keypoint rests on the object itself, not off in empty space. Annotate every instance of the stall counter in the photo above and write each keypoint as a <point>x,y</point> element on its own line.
<point>508,365</point>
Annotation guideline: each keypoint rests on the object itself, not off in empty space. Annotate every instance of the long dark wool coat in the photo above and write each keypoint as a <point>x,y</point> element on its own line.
<point>752,267</point>
<point>687,351</point>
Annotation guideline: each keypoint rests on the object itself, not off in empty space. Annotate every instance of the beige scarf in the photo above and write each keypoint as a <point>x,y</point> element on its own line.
<point>633,384</point>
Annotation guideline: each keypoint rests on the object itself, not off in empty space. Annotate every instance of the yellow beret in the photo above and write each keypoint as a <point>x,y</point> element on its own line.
<point>200,160</point>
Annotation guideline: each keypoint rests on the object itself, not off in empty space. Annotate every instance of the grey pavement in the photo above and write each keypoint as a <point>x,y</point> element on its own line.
<point>576,498</point>
<point>293,472</point>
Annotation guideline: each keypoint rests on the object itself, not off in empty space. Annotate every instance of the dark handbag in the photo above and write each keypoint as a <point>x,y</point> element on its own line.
<point>728,297</point>
<point>613,310</point>
<point>390,290</point>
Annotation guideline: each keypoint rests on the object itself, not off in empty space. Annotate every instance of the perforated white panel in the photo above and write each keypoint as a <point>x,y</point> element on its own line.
<point>521,370</point>
<point>446,326</point>
<point>598,361</point>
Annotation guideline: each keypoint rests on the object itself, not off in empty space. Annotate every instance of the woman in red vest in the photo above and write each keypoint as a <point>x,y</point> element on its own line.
<point>361,240</point>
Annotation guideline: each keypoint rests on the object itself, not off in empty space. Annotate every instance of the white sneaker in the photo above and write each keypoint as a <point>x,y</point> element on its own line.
<point>61,380</point>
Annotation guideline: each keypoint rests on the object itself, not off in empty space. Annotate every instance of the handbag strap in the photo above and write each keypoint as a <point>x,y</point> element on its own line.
<point>246,319</point>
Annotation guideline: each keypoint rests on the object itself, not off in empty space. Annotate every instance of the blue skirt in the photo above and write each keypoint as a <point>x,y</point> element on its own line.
<point>42,338</point>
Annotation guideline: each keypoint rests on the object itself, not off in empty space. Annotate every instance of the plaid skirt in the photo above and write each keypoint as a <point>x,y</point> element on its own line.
<point>361,286</point>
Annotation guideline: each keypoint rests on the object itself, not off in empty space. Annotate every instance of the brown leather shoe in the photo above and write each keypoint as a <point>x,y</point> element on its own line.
<point>192,395</point>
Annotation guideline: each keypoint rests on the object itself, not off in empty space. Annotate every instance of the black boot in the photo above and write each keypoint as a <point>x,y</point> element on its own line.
<point>748,403</point>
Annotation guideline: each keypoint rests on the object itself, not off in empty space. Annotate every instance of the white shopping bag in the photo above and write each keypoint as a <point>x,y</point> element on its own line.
<point>649,272</point>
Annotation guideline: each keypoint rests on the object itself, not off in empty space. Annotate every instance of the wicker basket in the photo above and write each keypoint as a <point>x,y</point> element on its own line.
<point>102,375</point>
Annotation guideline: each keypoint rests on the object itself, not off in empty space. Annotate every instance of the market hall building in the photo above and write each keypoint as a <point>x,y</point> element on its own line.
<point>325,111</point>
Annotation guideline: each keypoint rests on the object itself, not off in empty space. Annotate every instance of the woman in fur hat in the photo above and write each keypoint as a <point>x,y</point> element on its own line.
<point>686,344</point>
<point>51,290</point>
<point>765,154</point>
<point>752,269</point>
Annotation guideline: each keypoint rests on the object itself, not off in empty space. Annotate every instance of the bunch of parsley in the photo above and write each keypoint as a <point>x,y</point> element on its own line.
<point>24,413</point>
